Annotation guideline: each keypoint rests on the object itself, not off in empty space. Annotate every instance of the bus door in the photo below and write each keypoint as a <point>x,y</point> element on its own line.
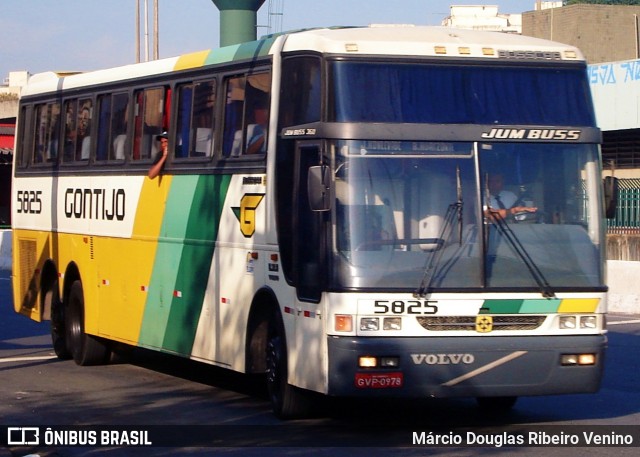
<point>309,245</point>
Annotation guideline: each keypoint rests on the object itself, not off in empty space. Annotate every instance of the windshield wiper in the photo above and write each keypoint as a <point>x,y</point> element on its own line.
<point>453,210</point>
<point>518,248</point>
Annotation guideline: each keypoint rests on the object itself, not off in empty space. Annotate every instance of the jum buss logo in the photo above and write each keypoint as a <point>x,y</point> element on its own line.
<point>23,436</point>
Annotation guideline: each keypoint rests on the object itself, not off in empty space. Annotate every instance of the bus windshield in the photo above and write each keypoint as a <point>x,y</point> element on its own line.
<point>399,204</point>
<point>456,94</point>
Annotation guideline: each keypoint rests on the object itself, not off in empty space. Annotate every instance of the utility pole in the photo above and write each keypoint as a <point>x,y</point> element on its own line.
<point>137,27</point>
<point>146,30</point>
<point>156,44</point>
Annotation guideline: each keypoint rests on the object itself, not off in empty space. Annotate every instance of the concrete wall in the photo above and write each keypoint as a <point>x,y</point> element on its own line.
<point>623,247</point>
<point>624,286</point>
<point>5,249</point>
<point>615,87</point>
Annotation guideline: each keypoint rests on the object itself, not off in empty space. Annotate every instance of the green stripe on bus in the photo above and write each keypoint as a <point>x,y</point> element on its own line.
<point>195,263</point>
<point>540,306</point>
<point>222,55</point>
<point>516,306</point>
<point>254,49</point>
<point>242,51</point>
<point>501,306</point>
<point>168,255</point>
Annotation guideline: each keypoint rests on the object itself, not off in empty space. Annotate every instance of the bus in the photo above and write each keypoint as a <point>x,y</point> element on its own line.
<point>327,214</point>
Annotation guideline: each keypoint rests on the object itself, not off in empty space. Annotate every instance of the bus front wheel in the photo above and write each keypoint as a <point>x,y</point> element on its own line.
<point>288,402</point>
<point>85,349</point>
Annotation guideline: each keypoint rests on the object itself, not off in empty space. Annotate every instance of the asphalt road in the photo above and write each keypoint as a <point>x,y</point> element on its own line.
<point>168,396</point>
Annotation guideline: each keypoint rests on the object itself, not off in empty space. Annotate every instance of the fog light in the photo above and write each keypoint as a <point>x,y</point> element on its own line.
<point>367,361</point>
<point>569,359</point>
<point>369,324</point>
<point>587,359</point>
<point>567,322</point>
<point>392,323</point>
<point>343,323</point>
<point>389,362</point>
<point>589,322</point>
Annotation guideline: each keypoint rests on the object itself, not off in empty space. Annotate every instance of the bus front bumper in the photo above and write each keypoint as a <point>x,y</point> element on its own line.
<point>465,366</point>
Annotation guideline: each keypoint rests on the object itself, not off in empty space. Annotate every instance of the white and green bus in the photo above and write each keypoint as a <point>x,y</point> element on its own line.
<point>326,214</point>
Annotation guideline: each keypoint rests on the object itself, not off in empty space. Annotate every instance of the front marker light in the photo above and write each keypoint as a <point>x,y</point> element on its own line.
<point>567,322</point>
<point>587,359</point>
<point>390,362</point>
<point>343,323</point>
<point>369,324</point>
<point>392,323</point>
<point>367,361</point>
<point>577,359</point>
<point>569,359</point>
<point>588,322</point>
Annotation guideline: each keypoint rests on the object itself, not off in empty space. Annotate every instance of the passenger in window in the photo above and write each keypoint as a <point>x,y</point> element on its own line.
<point>83,138</point>
<point>161,157</point>
<point>70,132</point>
<point>257,133</point>
<point>256,139</point>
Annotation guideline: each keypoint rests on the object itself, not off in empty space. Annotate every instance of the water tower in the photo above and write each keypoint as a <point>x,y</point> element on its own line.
<point>238,20</point>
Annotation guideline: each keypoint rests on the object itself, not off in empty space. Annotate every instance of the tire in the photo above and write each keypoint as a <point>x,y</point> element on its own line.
<point>58,336</point>
<point>85,349</point>
<point>287,401</point>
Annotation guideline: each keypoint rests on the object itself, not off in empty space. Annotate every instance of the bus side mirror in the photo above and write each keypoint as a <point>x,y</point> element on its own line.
<point>610,196</point>
<point>319,188</point>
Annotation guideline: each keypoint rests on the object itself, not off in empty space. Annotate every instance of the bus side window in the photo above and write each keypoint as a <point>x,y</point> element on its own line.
<point>24,135</point>
<point>70,110</point>
<point>104,103</point>
<point>83,133</point>
<point>204,103</point>
<point>195,123</point>
<point>233,117</point>
<point>119,126</point>
<point>185,106</point>
<point>47,133</point>
<point>246,117</point>
<point>77,130</point>
<point>150,119</point>
<point>300,76</point>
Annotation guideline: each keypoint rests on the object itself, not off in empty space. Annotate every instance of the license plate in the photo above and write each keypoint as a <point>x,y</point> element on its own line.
<point>379,380</point>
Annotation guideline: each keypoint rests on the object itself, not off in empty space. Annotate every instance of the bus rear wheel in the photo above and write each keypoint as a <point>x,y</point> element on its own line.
<point>85,349</point>
<point>288,402</point>
<point>58,337</point>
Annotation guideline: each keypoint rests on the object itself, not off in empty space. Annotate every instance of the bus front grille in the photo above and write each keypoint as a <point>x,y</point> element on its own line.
<point>468,323</point>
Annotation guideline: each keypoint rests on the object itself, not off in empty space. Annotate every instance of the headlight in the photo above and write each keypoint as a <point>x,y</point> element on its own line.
<point>590,322</point>
<point>392,323</point>
<point>567,322</point>
<point>369,324</point>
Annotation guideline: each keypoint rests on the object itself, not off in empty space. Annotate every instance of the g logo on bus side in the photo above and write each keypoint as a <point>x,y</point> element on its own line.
<point>246,213</point>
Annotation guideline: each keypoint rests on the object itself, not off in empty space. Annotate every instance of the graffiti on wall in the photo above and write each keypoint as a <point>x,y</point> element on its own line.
<point>614,73</point>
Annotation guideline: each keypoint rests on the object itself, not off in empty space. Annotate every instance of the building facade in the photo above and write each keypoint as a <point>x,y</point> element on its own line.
<point>604,33</point>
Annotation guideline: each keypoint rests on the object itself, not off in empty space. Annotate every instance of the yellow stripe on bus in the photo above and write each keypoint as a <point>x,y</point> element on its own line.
<point>133,264</point>
<point>193,60</point>
<point>578,305</point>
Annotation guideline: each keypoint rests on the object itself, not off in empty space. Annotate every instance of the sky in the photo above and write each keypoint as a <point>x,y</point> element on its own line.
<point>85,35</point>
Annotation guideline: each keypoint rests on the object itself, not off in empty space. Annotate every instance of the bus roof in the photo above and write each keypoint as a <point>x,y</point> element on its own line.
<point>389,40</point>
<point>429,41</point>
